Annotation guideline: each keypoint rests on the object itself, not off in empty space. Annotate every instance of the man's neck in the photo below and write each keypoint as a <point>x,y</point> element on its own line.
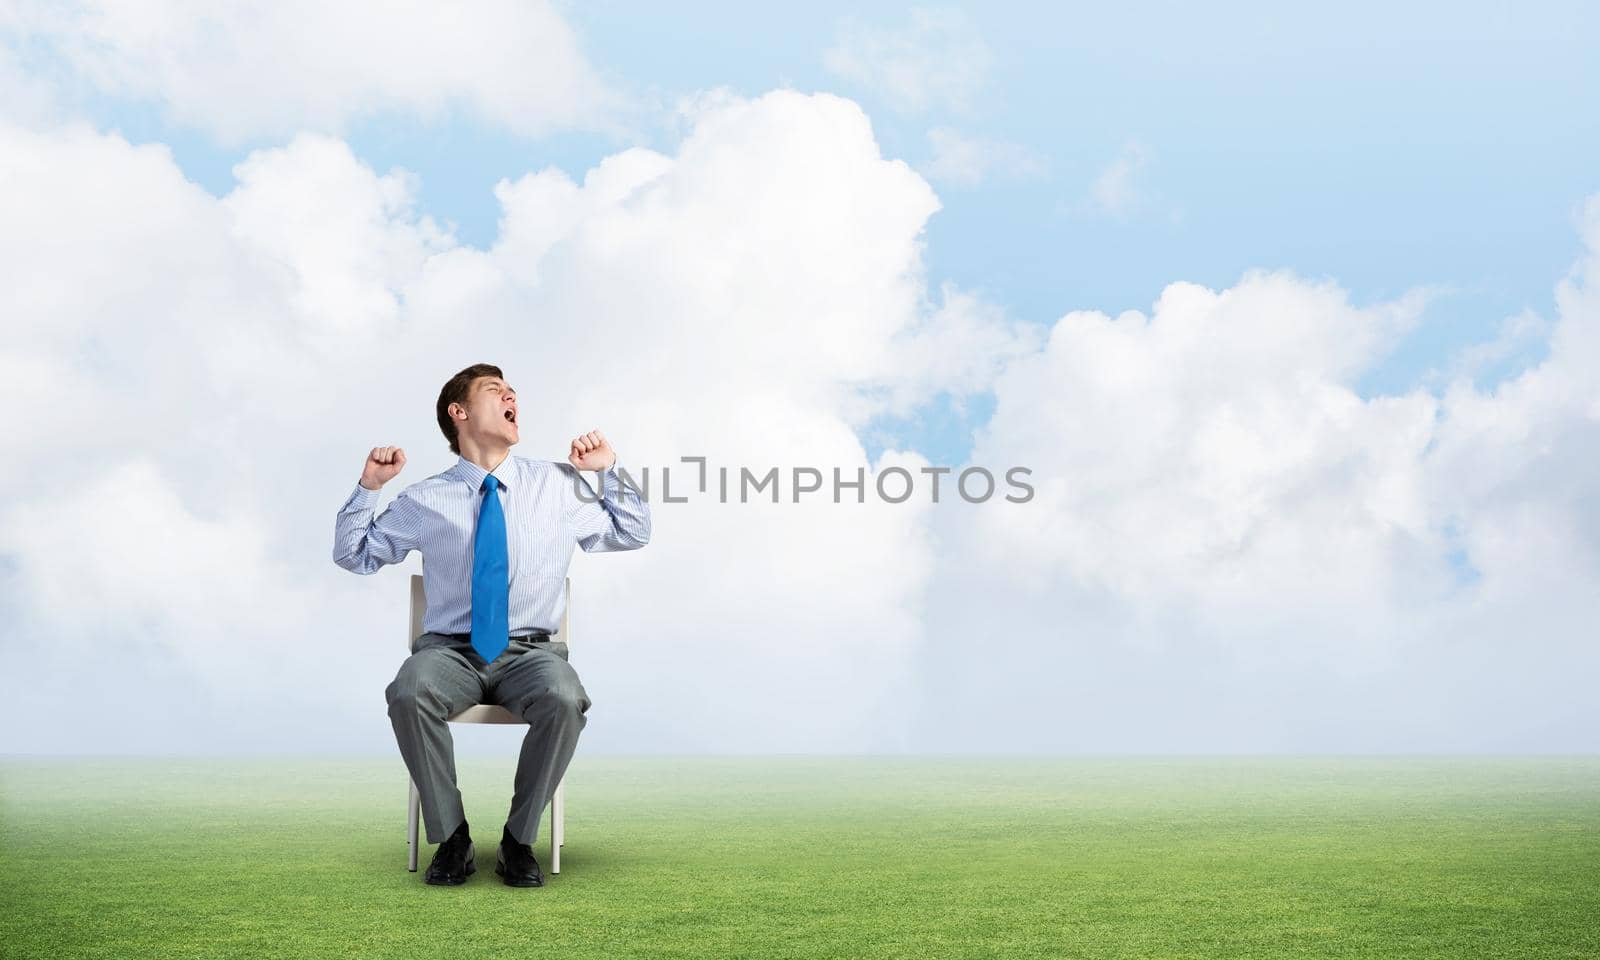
<point>486,457</point>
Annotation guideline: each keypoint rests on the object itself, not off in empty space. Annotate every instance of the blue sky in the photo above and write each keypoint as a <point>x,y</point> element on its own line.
<point>1383,147</point>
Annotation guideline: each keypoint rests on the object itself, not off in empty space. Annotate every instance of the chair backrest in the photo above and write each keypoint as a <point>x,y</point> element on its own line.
<point>419,606</point>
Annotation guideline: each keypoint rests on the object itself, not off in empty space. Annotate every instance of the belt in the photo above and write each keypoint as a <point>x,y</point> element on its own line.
<point>528,637</point>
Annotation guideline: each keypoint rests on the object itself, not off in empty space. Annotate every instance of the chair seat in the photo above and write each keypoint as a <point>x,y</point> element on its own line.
<point>486,713</point>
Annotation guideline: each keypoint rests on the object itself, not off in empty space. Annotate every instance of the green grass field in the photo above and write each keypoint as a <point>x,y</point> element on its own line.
<point>818,857</point>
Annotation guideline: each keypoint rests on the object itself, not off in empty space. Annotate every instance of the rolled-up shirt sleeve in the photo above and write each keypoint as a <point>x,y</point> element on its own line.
<point>362,543</point>
<point>618,518</point>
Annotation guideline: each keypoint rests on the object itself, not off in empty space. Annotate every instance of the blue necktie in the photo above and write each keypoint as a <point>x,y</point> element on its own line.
<point>491,589</point>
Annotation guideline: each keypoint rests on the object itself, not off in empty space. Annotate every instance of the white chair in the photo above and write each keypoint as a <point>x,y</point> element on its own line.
<point>489,713</point>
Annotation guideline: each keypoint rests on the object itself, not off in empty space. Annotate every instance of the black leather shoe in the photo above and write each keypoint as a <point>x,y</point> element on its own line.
<point>454,861</point>
<point>515,863</point>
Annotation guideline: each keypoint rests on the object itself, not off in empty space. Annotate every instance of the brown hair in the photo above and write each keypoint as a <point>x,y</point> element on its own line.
<point>455,391</point>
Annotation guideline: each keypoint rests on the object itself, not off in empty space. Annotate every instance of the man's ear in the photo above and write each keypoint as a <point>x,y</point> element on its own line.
<point>455,406</point>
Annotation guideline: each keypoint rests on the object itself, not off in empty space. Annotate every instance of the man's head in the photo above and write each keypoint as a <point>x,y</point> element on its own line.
<point>478,403</point>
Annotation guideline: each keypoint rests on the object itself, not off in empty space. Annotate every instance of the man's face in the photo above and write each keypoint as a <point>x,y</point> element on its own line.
<point>491,411</point>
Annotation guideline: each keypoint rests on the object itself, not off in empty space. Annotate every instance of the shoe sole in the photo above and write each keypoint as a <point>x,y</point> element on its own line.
<point>472,868</point>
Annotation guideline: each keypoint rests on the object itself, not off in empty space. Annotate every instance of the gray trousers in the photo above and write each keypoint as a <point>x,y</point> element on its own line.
<point>443,677</point>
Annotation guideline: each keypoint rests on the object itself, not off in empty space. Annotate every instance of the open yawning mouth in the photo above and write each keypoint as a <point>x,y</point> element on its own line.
<point>511,415</point>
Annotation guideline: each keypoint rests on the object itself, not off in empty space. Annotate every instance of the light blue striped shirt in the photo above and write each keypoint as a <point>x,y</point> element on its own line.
<point>545,517</point>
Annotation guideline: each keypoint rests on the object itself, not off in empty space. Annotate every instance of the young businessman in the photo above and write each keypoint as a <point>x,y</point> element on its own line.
<point>496,534</point>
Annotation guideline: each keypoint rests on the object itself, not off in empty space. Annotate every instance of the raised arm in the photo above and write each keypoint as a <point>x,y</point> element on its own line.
<point>362,543</point>
<point>618,518</point>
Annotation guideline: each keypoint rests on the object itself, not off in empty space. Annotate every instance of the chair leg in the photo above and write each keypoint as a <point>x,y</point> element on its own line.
<point>413,811</point>
<point>558,824</point>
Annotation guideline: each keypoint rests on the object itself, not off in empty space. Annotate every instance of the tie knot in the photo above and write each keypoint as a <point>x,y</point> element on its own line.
<point>490,483</point>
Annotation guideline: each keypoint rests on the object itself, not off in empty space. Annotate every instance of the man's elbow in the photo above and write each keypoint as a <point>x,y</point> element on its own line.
<point>352,562</point>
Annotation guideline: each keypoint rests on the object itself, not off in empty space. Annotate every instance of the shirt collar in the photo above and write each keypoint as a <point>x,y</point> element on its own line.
<point>474,474</point>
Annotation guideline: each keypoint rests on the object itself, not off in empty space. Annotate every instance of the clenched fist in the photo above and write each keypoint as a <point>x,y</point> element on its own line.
<point>592,451</point>
<point>382,464</point>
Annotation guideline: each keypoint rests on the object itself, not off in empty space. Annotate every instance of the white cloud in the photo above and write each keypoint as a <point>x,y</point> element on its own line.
<point>1515,466</point>
<point>1214,448</point>
<point>228,361</point>
<point>961,160</point>
<point>241,70</point>
<point>24,96</point>
<point>1231,549</point>
<point>961,347</point>
<point>340,244</point>
<point>1118,191</point>
<point>1516,336</point>
<point>935,62</point>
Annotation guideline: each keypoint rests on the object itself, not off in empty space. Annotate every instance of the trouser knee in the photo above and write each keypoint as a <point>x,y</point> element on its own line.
<point>565,701</point>
<point>409,695</point>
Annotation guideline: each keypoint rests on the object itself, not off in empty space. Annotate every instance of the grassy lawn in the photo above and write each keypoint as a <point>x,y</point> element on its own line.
<point>817,857</point>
